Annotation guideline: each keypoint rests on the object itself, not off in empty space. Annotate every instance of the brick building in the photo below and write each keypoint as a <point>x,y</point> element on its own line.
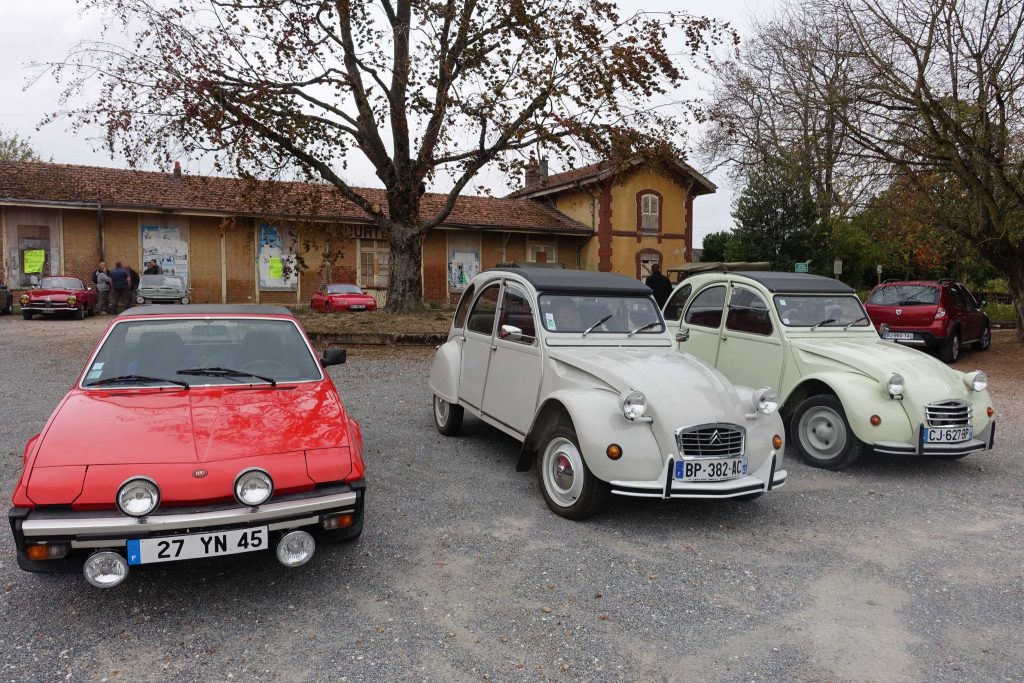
<point>236,241</point>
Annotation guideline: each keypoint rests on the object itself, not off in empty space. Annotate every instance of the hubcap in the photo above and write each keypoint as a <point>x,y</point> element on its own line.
<point>561,464</point>
<point>956,347</point>
<point>441,411</point>
<point>986,338</point>
<point>822,433</point>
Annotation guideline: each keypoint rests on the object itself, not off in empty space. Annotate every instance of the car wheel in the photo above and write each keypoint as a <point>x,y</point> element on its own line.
<point>92,311</point>
<point>950,351</point>
<point>569,488</point>
<point>27,315</point>
<point>79,314</point>
<point>985,341</point>
<point>823,435</point>
<point>9,307</point>
<point>447,416</point>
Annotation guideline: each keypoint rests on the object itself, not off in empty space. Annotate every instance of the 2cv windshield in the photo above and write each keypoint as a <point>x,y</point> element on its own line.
<point>821,311</point>
<point>605,314</point>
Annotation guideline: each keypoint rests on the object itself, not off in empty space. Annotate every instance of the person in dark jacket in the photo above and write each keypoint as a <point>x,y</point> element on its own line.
<point>659,284</point>
<point>120,288</point>
<point>135,280</point>
<point>152,268</point>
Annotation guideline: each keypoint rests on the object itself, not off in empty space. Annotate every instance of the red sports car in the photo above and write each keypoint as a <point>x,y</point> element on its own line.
<point>188,435</point>
<point>59,294</point>
<point>338,297</point>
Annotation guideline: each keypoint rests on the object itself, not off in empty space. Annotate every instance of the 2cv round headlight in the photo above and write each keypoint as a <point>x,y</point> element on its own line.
<point>138,497</point>
<point>976,381</point>
<point>766,400</point>
<point>896,384</point>
<point>253,488</point>
<point>634,404</point>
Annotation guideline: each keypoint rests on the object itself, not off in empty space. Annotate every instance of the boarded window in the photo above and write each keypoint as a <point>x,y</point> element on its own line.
<point>650,211</point>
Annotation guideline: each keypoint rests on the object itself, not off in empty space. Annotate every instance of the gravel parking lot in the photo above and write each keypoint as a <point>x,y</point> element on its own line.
<point>897,569</point>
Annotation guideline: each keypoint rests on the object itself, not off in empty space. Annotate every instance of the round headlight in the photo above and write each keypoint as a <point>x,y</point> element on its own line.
<point>634,404</point>
<point>72,299</point>
<point>105,569</point>
<point>185,300</point>
<point>138,497</point>
<point>23,299</point>
<point>896,384</point>
<point>976,381</point>
<point>766,400</point>
<point>140,299</point>
<point>253,487</point>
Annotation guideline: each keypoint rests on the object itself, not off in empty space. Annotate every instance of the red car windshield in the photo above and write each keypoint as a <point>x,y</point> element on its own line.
<point>61,283</point>
<point>225,349</point>
<point>904,295</point>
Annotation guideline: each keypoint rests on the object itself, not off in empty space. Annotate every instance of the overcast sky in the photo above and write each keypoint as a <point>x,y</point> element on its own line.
<point>44,30</point>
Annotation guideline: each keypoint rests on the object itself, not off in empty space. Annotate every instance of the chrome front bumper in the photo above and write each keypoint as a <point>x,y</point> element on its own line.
<point>765,479</point>
<point>982,442</point>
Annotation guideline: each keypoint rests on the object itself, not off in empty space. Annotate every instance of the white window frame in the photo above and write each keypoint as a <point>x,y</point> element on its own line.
<point>650,213</point>
<point>375,247</point>
<point>535,246</point>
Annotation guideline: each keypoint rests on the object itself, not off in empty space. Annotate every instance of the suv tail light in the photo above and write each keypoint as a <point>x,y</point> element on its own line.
<point>940,313</point>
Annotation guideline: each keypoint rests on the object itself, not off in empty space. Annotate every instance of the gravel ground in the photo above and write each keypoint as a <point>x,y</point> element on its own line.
<point>897,569</point>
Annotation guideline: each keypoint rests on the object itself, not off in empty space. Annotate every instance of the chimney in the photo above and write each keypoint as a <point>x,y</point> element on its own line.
<point>177,169</point>
<point>536,172</point>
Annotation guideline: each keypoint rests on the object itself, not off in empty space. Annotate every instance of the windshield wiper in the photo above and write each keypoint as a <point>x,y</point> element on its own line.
<point>599,322</point>
<point>848,325</point>
<point>826,321</point>
<point>135,378</point>
<point>643,327</point>
<point>226,372</point>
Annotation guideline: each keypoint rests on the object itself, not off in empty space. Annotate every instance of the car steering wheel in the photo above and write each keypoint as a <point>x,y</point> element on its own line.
<point>272,365</point>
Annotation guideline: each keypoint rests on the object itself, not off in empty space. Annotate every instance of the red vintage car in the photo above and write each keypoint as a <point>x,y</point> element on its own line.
<point>341,297</point>
<point>189,435</point>
<point>59,294</point>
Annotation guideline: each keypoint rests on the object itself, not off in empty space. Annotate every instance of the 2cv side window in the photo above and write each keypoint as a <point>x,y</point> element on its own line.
<point>676,303</point>
<point>463,309</point>
<point>706,308</point>
<point>748,313</point>
<point>517,312</point>
<point>481,317</point>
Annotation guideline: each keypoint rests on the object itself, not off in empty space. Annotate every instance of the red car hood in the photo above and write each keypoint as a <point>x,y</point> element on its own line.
<point>53,293</point>
<point>196,426</point>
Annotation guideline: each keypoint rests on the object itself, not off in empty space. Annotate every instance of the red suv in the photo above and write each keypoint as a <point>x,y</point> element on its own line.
<point>939,314</point>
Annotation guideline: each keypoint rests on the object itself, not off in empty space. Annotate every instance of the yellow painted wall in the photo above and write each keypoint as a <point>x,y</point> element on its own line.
<point>579,205</point>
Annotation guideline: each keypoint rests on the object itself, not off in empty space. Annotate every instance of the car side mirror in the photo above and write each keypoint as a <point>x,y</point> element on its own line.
<point>512,331</point>
<point>983,302</point>
<point>683,334</point>
<point>333,357</point>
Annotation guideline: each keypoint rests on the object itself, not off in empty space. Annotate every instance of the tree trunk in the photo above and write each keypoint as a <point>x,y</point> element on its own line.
<point>405,280</point>
<point>1015,278</point>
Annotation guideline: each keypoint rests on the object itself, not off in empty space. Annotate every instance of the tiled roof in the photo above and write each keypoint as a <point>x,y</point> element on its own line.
<point>38,182</point>
<point>593,172</point>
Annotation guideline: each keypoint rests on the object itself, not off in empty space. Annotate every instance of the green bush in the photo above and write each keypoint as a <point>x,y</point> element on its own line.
<point>1001,312</point>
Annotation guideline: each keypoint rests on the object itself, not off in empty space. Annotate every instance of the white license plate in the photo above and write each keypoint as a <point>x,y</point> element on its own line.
<point>194,546</point>
<point>711,470</point>
<point>948,434</point>
<point>898,335</point>
<point>357,307</point>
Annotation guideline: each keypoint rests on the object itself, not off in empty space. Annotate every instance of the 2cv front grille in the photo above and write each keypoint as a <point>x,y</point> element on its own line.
<point>711,441</point>
<point>953,413</point>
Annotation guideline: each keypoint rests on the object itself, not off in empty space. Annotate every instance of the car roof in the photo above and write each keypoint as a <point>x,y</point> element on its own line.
<point>206,309</point>
<point>775,281</point>
<point>580,281</point>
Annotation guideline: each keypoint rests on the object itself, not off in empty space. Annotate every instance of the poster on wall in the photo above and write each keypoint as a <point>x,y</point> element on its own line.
<point>463,260</point>
<point>275,261</point>
<point>169,247</point>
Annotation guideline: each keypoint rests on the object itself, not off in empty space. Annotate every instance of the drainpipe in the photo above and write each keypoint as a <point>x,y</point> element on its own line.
<point>99,225</point>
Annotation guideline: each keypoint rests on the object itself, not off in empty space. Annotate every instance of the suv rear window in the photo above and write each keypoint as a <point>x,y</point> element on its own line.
<point>904,295</point>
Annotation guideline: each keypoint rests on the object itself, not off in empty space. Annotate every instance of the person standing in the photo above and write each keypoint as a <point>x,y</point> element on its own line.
<point>100,268</point>
<point>102,279</point>
<point>659,284</point>
<point>135,279</point>
<point>152,268</point>
<point>120,287</point>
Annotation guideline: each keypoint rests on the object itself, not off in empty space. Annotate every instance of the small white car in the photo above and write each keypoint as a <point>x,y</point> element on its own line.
<point>843,388</point>
<point>579,366</point>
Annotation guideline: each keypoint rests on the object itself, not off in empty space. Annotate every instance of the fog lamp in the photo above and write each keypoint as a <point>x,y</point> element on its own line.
<point>138,497</point>
<point>776,442</point>
<point>614,451</point>
<point>875,420</point>
<point>338,521</point>
<point>295,548</point>
<point>47,551</point>
<point>253,487</point>
<point>105,569</point>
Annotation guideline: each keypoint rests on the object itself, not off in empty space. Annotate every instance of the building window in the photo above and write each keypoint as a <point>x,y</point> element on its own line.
<point>646,259</point>
<point>648,212</point>
<point>541,252</point>
<point>374,258</point>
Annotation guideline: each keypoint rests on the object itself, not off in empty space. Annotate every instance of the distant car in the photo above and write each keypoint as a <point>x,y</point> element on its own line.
<point>6,300</point>
<point>342,297</point>
<point>192,432</point>
<point>579,367</point>
<point>937,314</point>
<point>59,294</point>
<point>162,289</point>
<point>843,389</point>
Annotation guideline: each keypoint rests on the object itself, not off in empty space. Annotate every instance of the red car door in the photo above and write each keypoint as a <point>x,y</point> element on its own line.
<point>317,302</point>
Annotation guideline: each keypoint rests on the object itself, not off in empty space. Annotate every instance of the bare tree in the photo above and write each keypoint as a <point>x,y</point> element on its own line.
<point>941,90</point>
<point>425,90</point>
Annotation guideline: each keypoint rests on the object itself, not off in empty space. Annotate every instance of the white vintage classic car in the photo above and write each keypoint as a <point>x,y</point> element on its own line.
<point>579,366</point>
<point>843,388</point>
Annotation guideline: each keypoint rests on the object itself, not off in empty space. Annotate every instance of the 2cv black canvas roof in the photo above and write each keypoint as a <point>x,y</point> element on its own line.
<point>580,281</point>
